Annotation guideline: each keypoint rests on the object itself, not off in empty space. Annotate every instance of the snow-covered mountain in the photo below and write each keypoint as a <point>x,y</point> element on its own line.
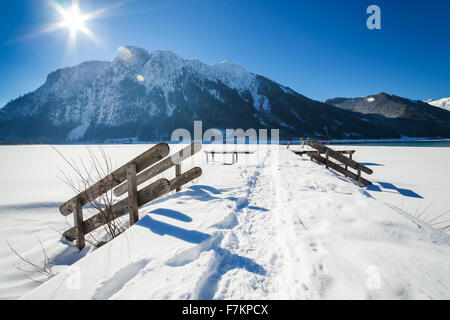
<point>413,117</point>
<point>148,95</point>
<point>443,103</point>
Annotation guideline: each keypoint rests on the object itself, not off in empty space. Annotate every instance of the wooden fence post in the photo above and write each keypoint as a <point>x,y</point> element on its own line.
<point>177,174</point>
<point>350,156</point>
<point>132,194</point>
<point>326,157</point>
<point>78,222</point>
<point>359,177</point>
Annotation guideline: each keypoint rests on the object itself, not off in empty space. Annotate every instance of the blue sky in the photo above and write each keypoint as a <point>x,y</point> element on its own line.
<point>321,49</point>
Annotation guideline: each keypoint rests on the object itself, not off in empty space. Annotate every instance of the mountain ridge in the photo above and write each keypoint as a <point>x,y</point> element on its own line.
<point>415,117</point>
<point>443,103</point>
<point>148,95</point>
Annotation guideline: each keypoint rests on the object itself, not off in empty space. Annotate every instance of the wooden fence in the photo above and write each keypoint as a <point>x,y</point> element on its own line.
<point>340,157</point>
<point>234,153</point>
<point>137,171</point>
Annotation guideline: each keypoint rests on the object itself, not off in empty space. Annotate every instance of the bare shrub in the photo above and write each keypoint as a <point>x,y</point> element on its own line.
<point>443,225</point>
<point>88,174</point>
<point>436,222</point>
<point>44,268</point>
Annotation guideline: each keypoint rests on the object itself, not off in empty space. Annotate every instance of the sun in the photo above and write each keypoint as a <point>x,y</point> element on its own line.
<point>73,19</point>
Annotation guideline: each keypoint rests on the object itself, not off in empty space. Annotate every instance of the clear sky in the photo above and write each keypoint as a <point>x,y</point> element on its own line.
<point>319,48</point>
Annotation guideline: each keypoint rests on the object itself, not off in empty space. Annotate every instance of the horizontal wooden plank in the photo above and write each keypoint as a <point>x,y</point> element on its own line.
<point>112,180</point>
<point>147,194</point>
<point>339,169</point>
<point>339,157</point>
<point>144,196</point>
<point>308,151</point>
<point>230,152</point>
<point>161,166</point>
<point>185,178</point>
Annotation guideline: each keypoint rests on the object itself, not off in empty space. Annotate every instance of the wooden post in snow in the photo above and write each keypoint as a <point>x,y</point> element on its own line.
<point>78,224</point>
<point>132,194</point>
<point>177,174</point>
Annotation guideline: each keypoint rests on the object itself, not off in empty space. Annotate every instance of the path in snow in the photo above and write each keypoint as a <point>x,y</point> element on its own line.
<point>279,227</point>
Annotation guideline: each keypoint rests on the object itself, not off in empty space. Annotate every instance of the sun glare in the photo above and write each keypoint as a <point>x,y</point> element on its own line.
<point>73,19</point>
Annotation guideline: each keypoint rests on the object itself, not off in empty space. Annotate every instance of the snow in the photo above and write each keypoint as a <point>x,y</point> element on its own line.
<point>94,91</point>
<point>90,90</point>
<point>272,226</point>
<point>404,177</point>
<point>443,103</point>
<point>163,68</point>
<point>133,56</point>
<point>287,90</point>
<point>216,95</point>
<point>233,75</point>
<point>260,102</point>
<point>370,99</point>
<point>78,132</point>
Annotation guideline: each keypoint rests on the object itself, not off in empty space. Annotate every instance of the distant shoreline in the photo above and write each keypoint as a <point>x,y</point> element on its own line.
<point>428,142</point>
<point>425,142</point>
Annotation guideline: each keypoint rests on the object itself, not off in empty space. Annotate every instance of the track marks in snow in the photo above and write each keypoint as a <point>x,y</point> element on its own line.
<point>227,252</point>
<point>118,280</point>
<point>222,253</point>
<point>268,245</point>
<point>260,236</point>
<point>192,254</point>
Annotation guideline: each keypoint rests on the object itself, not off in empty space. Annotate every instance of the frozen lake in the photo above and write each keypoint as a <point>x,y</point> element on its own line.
<point>266,198</point>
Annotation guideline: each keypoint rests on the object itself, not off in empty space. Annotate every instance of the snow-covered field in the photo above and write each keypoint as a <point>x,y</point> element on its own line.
<point>414,179</point>
<point>272,226</point>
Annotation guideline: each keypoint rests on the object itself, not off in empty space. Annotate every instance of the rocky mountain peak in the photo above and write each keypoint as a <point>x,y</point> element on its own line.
<point>132,56</point>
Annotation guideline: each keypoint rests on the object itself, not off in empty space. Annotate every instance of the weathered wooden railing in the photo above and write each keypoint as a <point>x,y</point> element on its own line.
<point>127,178</point>
<point>234,153</point>
<point>339,156</point>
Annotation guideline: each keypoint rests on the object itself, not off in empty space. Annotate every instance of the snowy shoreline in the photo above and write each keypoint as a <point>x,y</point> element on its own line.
<point>272,226</point>
<point>135,141</point>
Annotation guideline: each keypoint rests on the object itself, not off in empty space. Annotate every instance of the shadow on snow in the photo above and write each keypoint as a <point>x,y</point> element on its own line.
<point>163,228</point>
<point>389,187</point>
